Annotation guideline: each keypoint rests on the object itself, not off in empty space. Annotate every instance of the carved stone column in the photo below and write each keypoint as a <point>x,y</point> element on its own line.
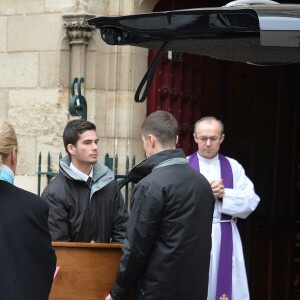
<point>79,33</point>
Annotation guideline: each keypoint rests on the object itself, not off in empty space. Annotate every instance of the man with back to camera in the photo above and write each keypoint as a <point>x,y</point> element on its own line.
<point>235,197</point>
<point>84,200</point>
<point>168,237</point>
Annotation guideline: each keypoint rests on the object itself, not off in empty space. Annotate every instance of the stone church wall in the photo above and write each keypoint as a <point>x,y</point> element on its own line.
<point>44,45</point>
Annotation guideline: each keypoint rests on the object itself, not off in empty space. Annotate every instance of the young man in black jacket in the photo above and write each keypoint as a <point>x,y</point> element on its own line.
<point>166,251</point>
<point>85,204</point>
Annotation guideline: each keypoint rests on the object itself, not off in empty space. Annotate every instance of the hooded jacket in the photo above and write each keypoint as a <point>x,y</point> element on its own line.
<point>166,251</point>
<point>78,213</point>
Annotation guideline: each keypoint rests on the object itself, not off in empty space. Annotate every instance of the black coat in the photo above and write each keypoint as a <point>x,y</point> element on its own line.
<point>27,259</point>
<point>78,213</point>
<point>166,251</point>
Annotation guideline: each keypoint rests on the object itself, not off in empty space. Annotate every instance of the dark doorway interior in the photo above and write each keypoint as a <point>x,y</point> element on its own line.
<point>260,109</point>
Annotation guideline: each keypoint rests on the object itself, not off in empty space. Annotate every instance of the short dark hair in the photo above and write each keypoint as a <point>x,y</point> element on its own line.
<point>73,130</point>
<point>163,125</point>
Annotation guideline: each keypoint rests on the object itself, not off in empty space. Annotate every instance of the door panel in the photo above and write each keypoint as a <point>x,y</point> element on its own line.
<point>176,88</point>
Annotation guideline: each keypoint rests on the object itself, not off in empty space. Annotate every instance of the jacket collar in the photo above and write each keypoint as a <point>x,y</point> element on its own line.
<point>99,170</point>
<point>146,166</point>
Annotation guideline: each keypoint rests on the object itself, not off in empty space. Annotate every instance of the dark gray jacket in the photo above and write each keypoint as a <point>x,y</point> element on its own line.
<point>80,214</point>
<point>166,251</point>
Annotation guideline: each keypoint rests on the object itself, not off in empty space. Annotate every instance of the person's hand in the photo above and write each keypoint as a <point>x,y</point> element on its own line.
<point>108,297</point>
<point>217,187</point>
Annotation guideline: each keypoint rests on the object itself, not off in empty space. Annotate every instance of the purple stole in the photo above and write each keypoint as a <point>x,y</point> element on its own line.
<point>224,283</point>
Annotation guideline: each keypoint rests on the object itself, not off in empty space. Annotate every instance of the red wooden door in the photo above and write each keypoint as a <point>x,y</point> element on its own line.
<point>177,88</point>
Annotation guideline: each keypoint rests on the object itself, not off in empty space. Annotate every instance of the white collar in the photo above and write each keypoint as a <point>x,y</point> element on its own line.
<point>82,175</point>
<point>208,160</point>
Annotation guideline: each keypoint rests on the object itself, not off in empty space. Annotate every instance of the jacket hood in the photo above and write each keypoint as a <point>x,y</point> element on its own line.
<point>146,166</point>
<point>100,171</point>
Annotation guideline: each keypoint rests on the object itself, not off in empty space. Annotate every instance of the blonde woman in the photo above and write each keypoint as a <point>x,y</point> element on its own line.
<point>26,255</point>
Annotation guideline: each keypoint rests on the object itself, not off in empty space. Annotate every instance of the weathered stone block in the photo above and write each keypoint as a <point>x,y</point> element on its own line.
<point>59,6</point>
<point>28,183</point>
<point>26,154</point>
<point>35,33</point>
<point>99,7</point>
<point>3,103</point>
<point>21,7</point>
<point>123,114</point>
<point>3,35</point>
<point>49,69</point>
<point>125,72</point>
<point>20,70</point>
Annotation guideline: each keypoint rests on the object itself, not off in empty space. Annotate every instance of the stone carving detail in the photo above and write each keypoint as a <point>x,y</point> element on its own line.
<point>77,28</point>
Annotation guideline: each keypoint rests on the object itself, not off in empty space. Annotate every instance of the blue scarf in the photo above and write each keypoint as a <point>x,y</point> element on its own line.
<point>6,174</point>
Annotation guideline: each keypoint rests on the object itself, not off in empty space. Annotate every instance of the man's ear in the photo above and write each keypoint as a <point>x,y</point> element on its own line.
<point>71,149</point>
<point>176,140</point>
<point>151,138</point>
<point>195,138</point>
<point>222,138</point>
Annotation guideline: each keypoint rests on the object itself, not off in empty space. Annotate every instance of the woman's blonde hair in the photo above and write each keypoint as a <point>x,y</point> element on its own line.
<point>8,140</point>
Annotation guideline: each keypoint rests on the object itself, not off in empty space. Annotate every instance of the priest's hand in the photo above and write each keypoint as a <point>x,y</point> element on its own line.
<point>217,187</point>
